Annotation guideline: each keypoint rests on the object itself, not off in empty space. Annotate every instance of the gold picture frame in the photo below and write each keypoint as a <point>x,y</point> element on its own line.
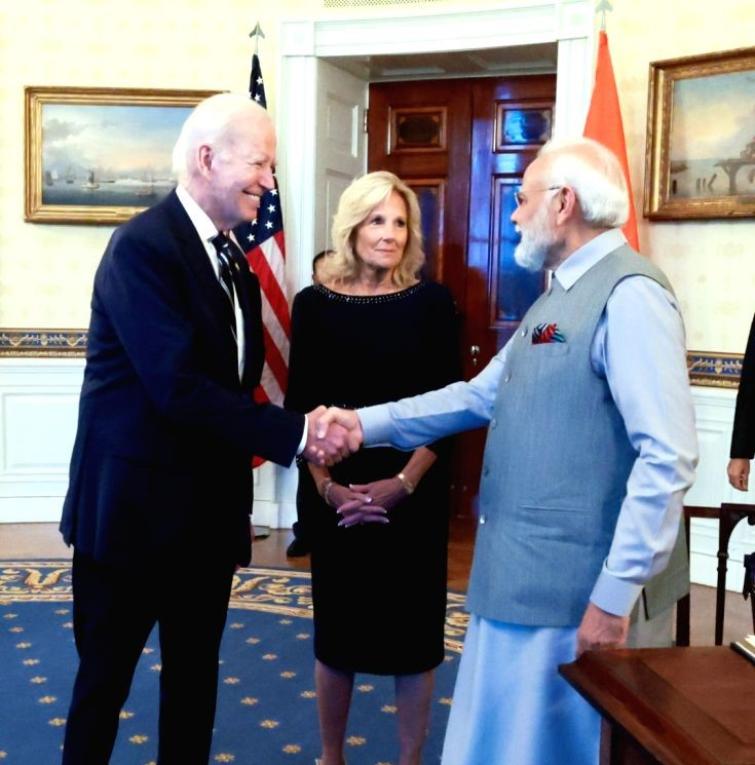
<point>99,155</point>
<point>700,153</point>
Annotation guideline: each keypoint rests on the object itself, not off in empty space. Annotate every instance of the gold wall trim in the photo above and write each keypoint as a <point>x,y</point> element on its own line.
<point>43,343</point>
<point>709,368</point>
<point>717,370</point>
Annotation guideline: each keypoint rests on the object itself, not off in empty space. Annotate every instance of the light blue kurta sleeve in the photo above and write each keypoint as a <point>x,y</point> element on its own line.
<point>640,348</point>
<point>419,420</point>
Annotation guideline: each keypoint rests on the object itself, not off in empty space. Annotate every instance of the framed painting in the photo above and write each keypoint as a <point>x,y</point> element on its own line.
<point>700,153</point>
<point>100,155</point>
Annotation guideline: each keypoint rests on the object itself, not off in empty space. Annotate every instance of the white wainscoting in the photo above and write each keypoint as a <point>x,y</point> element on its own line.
<point>38,406</point>
<point>38,410</point>
<point>714,410</point>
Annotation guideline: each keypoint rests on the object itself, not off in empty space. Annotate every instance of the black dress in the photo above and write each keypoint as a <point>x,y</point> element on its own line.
<point>379,591</point>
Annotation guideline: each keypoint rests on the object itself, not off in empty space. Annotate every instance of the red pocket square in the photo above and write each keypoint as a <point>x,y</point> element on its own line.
<point>547,333</point>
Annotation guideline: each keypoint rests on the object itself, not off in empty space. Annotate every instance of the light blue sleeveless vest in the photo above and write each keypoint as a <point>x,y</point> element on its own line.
<point>556,464</point>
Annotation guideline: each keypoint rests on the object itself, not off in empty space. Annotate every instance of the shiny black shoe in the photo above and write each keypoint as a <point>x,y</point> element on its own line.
<point>297,549</point>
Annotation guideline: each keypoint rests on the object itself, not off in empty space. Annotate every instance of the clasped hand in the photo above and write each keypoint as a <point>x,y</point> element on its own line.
<point>366,502</point>
<point>355,507</point>
<point>332,435</point>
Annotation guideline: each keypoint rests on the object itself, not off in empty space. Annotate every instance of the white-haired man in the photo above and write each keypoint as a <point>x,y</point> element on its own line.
<point>161,486</point>
<point>591,447</point>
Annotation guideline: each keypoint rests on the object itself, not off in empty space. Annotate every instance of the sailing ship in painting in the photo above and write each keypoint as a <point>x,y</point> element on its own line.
<point>108,155</point>
<point>148,187</point>
<point>76,185</point>
<point>90,184</point>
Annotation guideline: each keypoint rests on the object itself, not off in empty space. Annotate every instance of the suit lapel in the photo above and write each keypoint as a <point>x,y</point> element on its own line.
<point>248,291</point>
<point>195,256</point>
<point>213,297</point>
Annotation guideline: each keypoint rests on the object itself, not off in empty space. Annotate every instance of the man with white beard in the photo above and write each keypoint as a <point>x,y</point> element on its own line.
<point>591,447</point>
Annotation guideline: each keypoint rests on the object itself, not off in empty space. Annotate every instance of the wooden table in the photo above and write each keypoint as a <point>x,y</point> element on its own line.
<point>674,706</point>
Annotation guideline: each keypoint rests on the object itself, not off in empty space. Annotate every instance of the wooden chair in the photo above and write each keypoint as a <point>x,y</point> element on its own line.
<point>683,604</point>
<point>729,515</point>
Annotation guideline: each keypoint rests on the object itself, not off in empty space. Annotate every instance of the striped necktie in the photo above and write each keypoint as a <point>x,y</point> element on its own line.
<point>225,264</point>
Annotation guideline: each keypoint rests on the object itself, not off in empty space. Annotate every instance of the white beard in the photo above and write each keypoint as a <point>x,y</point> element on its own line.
<point>536,242</point>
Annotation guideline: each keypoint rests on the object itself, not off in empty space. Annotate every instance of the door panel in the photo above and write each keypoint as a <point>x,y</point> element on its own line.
<point>463,146</point>
<point>512,118</point>
<point>420,131</point>
<point>340,141</point>
<point>512,289</point>
<point>431,195</point>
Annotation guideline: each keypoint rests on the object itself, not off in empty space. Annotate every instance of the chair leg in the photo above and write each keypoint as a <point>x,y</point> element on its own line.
<point>682,621</point>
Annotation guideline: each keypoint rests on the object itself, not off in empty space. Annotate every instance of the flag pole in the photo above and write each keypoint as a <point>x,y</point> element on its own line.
<point>264,246</point>
<point>604,123</point>
<point>602,7</point>
<point>260,532</point>
<point>256,33</point>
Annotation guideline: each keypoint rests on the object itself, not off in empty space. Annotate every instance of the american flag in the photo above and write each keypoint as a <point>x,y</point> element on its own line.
<point>264,245</point>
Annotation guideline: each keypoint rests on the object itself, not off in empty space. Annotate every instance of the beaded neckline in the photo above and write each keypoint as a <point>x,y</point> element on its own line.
<point>390,297</point>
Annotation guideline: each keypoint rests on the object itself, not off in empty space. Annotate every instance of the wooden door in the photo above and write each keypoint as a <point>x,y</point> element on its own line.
<point>463,146</point>
<point>420,131</point>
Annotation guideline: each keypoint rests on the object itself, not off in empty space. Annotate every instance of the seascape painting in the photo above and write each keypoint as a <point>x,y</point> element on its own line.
<point>700,153</point>
<point>108,155</point>
<point>100,155</point>
<point>712,137</point>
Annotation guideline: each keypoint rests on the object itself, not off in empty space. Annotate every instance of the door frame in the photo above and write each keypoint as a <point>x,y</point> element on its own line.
<point>569,23</point>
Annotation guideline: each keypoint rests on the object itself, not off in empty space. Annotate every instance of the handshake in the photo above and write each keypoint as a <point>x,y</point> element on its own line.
<point>332,435</point>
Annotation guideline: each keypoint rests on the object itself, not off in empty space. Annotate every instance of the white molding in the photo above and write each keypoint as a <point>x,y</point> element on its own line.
<point>714,412</point>
<point>38,409</point>
<point>38,412</point>
<point>573,86</point>
<point>521,24</point>
<point>297,121</point>
<point>566,22</point>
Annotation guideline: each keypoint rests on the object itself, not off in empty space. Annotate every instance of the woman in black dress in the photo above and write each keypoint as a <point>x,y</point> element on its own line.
<point>375,332</point>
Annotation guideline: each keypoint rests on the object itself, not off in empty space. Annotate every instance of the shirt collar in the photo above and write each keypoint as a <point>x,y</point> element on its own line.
<point>583,259</point>
<point>200,220</point>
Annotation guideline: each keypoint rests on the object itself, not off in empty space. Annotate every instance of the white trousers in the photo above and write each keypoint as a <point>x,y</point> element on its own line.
<point>511,707</point>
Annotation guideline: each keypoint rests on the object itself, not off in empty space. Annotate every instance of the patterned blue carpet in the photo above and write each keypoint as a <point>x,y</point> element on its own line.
<point>266,702</point>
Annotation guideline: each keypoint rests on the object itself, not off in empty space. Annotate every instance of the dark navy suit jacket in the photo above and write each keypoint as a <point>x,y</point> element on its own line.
<point>166,431</point>
<point>743,436</point>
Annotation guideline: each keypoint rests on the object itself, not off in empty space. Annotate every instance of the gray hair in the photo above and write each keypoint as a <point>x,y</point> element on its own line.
<point>211,122</point>
<point>595,175</point>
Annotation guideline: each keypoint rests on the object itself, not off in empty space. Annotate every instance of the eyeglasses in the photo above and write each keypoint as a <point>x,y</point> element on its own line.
<point>521,198</point>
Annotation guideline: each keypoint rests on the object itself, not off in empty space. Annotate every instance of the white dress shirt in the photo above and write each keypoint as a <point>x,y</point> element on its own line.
<point>207,232</point>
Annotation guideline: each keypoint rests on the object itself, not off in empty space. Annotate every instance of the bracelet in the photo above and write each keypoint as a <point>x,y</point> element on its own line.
<point>409,487</point>
<point>325,487</point>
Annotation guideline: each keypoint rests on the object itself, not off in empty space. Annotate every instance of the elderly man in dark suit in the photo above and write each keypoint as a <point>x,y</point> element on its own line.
<point>743,435</point>
<point>160,484</point>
